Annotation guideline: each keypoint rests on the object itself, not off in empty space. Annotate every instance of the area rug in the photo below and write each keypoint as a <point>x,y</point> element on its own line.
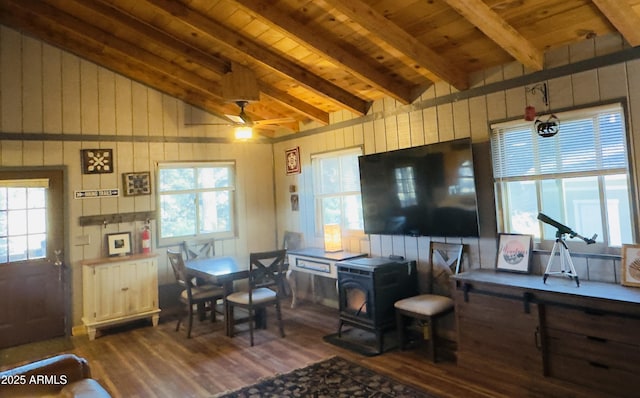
<point>333,378</point>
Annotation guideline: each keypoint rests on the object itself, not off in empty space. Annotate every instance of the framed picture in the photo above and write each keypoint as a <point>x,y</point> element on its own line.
<point>292,160</point>
<point>514,253</point>
<point>631,265</point>
<point>119,244</point>
<point>135,184</point>
<point>97,161</point>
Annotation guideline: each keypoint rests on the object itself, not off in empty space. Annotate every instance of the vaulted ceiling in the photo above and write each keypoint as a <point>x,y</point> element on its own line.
<point>307,58</point>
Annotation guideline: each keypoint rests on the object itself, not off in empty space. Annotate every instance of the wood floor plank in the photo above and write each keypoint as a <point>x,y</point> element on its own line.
<point>138,360</point>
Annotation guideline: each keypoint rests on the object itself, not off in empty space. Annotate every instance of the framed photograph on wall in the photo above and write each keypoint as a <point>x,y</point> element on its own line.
<point>514,253</point>
<point>119,244</point>
<point>631,265</point>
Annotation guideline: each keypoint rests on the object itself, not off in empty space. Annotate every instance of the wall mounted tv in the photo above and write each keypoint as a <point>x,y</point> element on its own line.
<point>426,190</point>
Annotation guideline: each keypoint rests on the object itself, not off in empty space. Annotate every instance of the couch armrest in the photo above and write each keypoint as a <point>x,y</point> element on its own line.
<point>45,376</point>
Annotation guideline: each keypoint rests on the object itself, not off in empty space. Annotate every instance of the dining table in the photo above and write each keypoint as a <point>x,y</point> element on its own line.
<point>220,270</point>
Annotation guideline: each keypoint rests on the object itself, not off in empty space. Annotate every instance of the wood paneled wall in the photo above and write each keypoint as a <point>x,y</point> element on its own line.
<point>392,126</point>
<point>48,91</point>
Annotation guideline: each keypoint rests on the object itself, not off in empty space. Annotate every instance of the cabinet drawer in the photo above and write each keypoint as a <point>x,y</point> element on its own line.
<point>594,323</point>
<point>593,375</point>
<point>596,350</point>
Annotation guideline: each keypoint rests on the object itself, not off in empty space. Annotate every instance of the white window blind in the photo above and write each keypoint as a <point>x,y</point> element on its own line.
<point>584,145</point>
<point>583,168</point>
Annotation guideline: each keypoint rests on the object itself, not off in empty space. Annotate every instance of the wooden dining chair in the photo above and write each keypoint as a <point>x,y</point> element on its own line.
<point>203,297</point>
<point>444,260</point>
<point>265,274</point>
<point>198,248</point>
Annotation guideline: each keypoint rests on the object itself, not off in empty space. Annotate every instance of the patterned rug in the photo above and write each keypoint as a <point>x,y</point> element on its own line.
<point>334,378</point>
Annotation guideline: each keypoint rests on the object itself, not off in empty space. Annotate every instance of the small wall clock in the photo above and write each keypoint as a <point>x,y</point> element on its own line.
<point>97,161</point>
<point>292,160</point>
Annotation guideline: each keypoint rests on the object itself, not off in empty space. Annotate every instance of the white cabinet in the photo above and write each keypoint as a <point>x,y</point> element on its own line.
<point>119,289</point>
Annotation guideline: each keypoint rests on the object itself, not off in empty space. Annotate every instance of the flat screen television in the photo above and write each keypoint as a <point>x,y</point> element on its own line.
<point>426,190</point>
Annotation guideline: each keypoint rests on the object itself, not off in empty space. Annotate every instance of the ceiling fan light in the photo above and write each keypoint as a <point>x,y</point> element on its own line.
<point>243,133</point>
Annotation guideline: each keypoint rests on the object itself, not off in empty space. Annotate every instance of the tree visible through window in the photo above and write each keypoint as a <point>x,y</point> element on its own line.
<point>579,177</point>
<point>337,189</point>
<point>195,200</point>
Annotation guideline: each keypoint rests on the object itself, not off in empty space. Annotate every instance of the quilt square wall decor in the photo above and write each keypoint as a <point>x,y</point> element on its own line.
<point>136,183</point>
<point>97,161</point>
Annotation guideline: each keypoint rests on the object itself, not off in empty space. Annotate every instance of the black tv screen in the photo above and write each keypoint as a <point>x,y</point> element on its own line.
<point>427,190</point>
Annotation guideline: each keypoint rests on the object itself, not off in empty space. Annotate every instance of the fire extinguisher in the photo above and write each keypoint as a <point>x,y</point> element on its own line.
<point>146,239</point>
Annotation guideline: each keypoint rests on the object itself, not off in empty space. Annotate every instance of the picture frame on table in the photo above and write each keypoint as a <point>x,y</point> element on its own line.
<point>514,253</point>
<point>630,268</point>
<point>119,244</point>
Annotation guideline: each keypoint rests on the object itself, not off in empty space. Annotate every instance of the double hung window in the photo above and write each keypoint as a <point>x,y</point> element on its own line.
<point>196,200</point>
<point>337,189</point>
<point>579,177</point>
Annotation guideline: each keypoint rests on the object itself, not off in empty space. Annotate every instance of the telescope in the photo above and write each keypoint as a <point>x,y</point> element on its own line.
<point>563,229</point>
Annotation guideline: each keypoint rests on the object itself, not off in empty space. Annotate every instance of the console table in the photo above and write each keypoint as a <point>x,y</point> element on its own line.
<point>119,289</point>
<point>552,337</point>
<point>316,262</point>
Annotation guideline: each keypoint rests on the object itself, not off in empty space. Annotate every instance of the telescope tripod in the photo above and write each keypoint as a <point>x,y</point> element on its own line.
<point>566,265</point>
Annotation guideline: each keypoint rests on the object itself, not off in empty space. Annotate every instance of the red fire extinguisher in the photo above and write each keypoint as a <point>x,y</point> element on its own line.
<point>146,239</point>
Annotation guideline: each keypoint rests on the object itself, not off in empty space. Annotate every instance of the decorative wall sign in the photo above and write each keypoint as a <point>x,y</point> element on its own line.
<point>292,160</point>
<point>97,161</point>
<point>631,265</point>
<point>136,183</point>
<point>119,244</point>
<point>96,193</point>
<point>514,253</point>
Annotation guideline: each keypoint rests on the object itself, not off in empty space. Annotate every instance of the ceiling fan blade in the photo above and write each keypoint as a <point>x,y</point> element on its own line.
<point>236,119</point>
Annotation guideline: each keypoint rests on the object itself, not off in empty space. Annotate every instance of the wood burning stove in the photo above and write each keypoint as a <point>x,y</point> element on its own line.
<point>368,288</point>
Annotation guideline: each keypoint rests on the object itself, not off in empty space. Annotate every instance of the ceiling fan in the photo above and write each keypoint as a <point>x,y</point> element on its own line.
<point>245,124</point>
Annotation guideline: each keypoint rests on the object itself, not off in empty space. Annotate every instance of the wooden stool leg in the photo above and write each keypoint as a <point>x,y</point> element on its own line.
<point>400,329</point>
<point>432,339</point>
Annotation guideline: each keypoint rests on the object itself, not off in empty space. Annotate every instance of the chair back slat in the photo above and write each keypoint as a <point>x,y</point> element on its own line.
<point>199,249</point>
<point>292,240</point>
<point>445,260</point>
<point>179,270</point>
<point>265,268</point>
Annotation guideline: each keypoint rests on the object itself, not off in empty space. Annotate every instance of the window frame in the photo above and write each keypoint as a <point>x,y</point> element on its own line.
<point>569,115</point>
<point>232,189</point>
<point>318,197</point>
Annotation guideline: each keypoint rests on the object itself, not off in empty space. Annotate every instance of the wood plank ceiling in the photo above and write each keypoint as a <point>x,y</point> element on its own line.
<point>313,57</point>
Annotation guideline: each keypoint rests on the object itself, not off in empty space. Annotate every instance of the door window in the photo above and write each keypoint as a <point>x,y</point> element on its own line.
<point>23,220</point>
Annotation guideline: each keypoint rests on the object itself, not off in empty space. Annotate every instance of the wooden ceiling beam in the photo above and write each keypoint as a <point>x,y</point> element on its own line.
<point>268,11</point>
<point>622,16</point>
<point>498,30</point>
<point>295,104</point>
<point>237,43</point>
<point>402,41</point>
<point>149,33</point>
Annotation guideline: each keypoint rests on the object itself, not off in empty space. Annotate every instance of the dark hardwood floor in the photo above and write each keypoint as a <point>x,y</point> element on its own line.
<point>138,360</point>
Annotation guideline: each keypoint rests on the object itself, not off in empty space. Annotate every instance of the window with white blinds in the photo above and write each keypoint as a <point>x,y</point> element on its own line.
<point>579,177</point>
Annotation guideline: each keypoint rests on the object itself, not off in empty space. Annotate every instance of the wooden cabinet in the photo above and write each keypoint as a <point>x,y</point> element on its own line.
<point>499,331</point>
<point>551,338</point>
<point>597,349</point>
<point>117,290</point>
